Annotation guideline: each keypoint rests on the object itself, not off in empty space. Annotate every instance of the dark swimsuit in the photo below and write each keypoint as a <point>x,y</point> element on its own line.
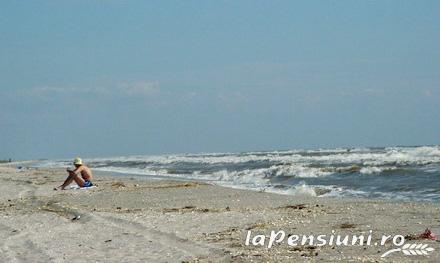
<point>87,183</point>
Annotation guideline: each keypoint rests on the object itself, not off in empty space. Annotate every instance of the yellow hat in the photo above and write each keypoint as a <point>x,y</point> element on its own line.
<point>77,161</point>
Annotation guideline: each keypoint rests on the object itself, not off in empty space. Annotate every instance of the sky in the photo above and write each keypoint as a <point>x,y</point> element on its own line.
<point>112,78</point>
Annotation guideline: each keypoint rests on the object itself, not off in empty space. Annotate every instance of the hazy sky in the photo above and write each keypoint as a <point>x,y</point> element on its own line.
<point>106,78</point>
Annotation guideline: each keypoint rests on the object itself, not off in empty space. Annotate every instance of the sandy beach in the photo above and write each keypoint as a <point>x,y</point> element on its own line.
<point>127,219</point>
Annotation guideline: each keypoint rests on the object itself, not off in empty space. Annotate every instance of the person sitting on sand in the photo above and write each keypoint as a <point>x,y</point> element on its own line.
<point>80,169</point>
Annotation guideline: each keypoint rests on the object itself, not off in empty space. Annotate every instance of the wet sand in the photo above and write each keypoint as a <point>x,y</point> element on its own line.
<point>126,219</point>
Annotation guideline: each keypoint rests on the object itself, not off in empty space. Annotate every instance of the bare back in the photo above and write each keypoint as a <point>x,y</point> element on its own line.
<point>85,172</point>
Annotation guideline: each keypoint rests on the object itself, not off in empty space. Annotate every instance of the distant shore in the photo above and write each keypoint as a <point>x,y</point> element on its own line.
<point>128,219</point>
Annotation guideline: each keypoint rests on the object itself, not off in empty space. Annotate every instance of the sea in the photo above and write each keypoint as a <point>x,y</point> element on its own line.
<point>397,173</point>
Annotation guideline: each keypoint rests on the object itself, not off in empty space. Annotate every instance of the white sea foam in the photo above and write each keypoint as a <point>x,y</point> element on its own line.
<point>376,170</point>
<point>299,190</point>
<point>298,170</point>
<point>247,177</point>
<point>336,191</point>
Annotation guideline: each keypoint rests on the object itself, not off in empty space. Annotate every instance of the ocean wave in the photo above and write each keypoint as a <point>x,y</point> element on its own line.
<point>301,189</point>
<point>134,171</point>
<point>375,169</point>
<point>386,156</point>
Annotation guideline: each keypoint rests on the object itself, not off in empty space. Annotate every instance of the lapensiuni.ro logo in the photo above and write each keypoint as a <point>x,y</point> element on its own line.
<point>278,237</point>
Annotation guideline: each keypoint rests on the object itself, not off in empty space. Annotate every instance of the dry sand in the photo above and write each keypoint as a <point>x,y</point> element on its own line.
<point>126,219</point>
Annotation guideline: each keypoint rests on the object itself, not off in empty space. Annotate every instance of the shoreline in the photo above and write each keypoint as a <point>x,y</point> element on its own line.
<point>165,220</point>
<point>122,175</point>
